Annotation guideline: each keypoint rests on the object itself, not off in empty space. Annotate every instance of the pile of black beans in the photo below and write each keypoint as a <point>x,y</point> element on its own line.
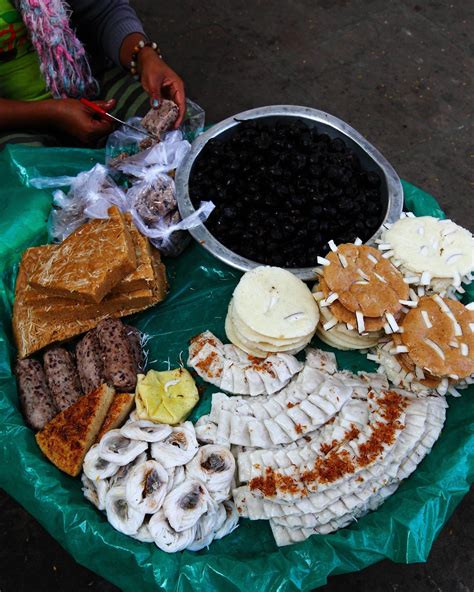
<point>282,190</point>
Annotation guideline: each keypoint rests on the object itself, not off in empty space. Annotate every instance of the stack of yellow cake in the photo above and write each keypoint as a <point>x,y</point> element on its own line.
<point>106,268</point>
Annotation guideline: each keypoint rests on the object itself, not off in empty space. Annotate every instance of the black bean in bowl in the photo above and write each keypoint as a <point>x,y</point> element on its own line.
<point>282,190</point>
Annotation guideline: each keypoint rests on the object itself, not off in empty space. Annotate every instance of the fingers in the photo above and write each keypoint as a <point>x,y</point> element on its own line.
<point>107,105</point>
<point>180,99</point>
<point>176,92</point>
<point>102,127</point>
<point>155,95</point>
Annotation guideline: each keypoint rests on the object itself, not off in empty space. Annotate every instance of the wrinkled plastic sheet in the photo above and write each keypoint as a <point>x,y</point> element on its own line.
<point>403,529</point>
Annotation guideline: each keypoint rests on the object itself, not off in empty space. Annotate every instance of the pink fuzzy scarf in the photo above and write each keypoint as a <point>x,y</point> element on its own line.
<point>63,60</point>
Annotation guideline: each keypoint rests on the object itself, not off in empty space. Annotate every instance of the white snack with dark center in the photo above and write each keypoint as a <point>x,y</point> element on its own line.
<point>185,511</point>
<point>122,474</point>
<point>178,448</point>
<point>145,430</point>
<point>95,491</point>
<point>95,467</point>
<point>121,515</point>
<point>231,521</point>
<point>233,370</point>
<point>205,529</point>
<point>143,534</point>
<point>146,487</point>
<point>184,505</point>
<point>215,467</point>
<point>117,448</point>
<point>166,538</point>
<point>206,430</point>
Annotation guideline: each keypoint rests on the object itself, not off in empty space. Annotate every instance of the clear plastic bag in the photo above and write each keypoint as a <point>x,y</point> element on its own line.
<point>168,154</point>
<point>125,142</point>
<point>155,211</point>
<point>90,195</point>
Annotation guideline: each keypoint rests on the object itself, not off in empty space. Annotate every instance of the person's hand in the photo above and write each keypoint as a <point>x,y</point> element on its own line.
<point>160,81</point>
<point>74,118</point>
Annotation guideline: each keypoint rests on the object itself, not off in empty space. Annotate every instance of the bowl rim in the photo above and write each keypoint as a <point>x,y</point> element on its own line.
<point>202,235</point>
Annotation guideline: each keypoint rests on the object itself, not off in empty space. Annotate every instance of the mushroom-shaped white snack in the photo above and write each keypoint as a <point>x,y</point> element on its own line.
<point>96,467</point>
<point>205,529</point>
<point>176,476</point>
<point>143,534</point>
<point>146,431</point>
<point>206,430</point>
<point>215,467</point>
<point>178,448</point>
<point>166,538</point>
<point>95,491</point>
<point>185,504</point>
<point>146,487</point>
<point>120,514</point>
<point>231,520</point>
<point>122,474</point>
<point>117,448</point>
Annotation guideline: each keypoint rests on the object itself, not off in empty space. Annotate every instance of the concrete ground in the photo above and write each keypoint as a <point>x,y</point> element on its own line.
<point>401,73</point>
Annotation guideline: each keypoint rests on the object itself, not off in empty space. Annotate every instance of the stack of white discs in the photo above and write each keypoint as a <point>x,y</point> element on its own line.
<point>435,256</point>
<point>271,311</point>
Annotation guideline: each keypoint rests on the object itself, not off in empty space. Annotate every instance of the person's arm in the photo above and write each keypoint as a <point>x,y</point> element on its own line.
<point>156,77</point>
<point>117,30</point>
<point>68,116</point>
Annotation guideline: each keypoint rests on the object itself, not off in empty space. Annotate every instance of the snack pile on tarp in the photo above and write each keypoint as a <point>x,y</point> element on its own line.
<point>147,192</point>
<point>359,293</point>
<point>271,311</point>
<point>316,447</point>
<point>158,485</point>
<point>434,255</point>
<point>105,268</point>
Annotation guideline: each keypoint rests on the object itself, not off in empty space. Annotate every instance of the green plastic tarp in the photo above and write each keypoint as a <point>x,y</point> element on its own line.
<point>403,529</point>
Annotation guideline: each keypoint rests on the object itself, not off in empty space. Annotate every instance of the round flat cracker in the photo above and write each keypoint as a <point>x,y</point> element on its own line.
<point>262,345</point>
<point>346,316</point>
<point>275,303</point>
<point>327,338</point>
<point>408,365</point>
<point>433,347</point>
<point>439,247</point>
<point>375,296</point>
<point>253,351</point>
<point>253,336</point>
<point>341,334</point>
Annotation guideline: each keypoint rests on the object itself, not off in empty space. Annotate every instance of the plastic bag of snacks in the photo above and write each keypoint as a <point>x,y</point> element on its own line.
<point>167,154</point>
<point>125,142</point>
<point>90,195</point>
<point>155,212</point>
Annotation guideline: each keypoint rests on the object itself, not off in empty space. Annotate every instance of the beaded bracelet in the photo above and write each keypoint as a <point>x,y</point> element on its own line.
<point>136,50</point>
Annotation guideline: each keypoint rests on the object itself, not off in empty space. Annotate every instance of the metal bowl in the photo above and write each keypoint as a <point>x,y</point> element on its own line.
<point>370,158</point>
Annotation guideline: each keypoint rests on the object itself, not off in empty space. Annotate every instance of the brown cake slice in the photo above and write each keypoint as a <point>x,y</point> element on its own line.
<point>66,439</point>
<point>118,412</point>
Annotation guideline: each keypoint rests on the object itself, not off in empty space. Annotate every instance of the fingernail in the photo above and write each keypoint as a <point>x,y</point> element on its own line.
<point>155,103</point>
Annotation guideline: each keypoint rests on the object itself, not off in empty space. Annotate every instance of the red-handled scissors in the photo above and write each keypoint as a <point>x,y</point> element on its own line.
<point>107,115</point>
